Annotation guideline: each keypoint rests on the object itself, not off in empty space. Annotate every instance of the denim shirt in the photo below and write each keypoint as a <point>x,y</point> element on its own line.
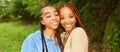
<point>33,43</point>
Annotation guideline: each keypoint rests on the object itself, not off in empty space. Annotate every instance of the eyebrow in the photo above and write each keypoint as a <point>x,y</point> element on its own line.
<point>46,13</point>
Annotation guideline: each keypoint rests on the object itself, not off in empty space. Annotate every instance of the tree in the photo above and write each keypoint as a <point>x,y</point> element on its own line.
<point>3,8</point>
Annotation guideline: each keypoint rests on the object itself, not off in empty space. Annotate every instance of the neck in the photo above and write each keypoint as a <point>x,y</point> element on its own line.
<point>68,32</point>
<point>50,33</point>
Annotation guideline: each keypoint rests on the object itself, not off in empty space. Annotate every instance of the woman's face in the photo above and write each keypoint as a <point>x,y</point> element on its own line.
<point>50,17</point>
<point>67,19</point>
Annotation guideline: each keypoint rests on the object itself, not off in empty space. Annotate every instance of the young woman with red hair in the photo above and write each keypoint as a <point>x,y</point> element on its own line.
<point>75,38</point>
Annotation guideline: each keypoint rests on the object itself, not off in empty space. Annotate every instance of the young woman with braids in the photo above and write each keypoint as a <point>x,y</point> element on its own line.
<point>75,38</point>
<point>47,39</point>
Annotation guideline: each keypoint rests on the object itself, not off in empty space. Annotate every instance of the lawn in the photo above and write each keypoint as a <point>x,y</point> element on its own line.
<point>12,34</point>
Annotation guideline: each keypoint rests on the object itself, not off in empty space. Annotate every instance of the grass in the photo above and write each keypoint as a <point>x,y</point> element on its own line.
<point>12,35</point>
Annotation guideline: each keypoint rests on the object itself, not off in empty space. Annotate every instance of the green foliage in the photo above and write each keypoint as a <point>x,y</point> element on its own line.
<point>24,8</point>
<point>33,7</point>
<point>13,34</point>
<point>15,8</point>
<point>95,14</point>
<point>3,8</point>
<point>112,35</point>
<point>112,31</point>
<point>114,40</point>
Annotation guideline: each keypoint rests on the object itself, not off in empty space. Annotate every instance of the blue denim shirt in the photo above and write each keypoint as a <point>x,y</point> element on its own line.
<point>33,43</point>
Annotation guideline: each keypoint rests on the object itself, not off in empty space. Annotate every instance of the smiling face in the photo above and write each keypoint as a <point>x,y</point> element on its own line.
<point>67,19</point>
<point>50,18</point>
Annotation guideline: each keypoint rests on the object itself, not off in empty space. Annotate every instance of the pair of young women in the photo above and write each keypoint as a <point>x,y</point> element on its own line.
<point>48,39</point>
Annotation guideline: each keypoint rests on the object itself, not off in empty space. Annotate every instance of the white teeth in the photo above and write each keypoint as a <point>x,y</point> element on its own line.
<point>55,23</point>
<point>67,25</point>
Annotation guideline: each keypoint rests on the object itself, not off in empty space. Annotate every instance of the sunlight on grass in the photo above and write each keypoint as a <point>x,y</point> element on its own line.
<point>12,34</point>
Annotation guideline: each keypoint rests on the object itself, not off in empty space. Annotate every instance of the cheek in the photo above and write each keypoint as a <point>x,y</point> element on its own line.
<point>46,21</point>
<point>61,22</point>
<point>74,21</point>
<point>58,18</point>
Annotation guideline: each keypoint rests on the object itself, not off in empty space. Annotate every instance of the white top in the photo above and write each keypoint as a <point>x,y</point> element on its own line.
<point>77,41</point>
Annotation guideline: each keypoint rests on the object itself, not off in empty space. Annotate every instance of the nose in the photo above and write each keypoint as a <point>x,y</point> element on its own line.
<point>67,21</point>
<point>54,17</point>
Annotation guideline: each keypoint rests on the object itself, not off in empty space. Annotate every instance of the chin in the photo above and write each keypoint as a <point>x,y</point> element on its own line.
<point>68,29</point>
<point>55,27</point>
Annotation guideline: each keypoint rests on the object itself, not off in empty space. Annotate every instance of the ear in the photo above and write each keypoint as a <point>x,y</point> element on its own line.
<point>42,22</point>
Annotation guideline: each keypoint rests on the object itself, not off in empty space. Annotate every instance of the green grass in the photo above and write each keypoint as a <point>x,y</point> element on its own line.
<point>12,35</point>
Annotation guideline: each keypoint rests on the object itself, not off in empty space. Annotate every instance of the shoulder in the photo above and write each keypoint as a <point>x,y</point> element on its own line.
<point>79,40</point>
<point>79,33</point>
<point>31,37</point>
<point>78,30</point>
<point>31,42</point>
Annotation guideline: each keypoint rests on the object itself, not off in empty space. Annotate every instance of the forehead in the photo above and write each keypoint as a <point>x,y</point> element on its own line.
<point>48,9</point>
<point>65,10</point>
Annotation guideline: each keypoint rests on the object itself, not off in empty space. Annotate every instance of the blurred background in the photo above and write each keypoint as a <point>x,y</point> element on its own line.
<point>19,18</point>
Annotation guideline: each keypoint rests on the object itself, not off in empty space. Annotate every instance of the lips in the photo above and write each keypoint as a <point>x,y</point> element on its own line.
<point>68,26</point>
<point>55,23</point>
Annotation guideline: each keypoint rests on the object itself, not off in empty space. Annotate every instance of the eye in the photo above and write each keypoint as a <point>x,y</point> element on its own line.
<point>61,18</point>
<point>48,16</point>
<point>71,16</point>
<point>56,14</point>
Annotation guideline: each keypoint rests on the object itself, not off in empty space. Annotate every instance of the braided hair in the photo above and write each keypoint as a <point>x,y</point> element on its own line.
<point>44,46</point>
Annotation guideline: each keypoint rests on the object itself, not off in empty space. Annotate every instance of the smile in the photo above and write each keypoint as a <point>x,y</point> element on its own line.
<point>54,23</point>
<point>68,26</point>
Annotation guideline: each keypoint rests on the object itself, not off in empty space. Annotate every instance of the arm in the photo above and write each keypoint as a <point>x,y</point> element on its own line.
<point>79,40</point>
